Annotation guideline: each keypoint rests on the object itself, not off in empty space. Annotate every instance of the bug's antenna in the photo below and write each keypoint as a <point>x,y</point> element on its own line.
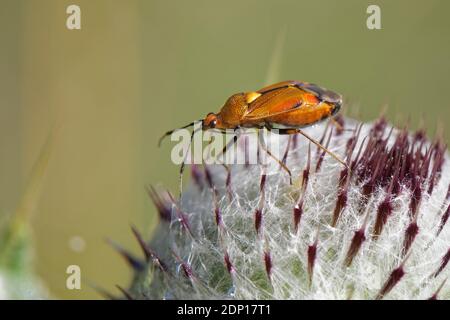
<point>168,133</point>
<point>185,157</point>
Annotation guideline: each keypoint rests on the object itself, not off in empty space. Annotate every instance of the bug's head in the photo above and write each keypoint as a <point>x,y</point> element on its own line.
<point>211,121</point>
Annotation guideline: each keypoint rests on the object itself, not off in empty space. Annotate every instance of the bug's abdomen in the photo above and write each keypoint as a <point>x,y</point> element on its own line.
<point>304,116</point>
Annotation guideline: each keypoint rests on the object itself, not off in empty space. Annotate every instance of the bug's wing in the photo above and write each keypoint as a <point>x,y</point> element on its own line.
<point>283,84</point>
<point>277,102</point>
<point>319,92</point>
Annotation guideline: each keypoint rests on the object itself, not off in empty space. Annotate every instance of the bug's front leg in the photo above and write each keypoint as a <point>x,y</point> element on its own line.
<point>229,145</point>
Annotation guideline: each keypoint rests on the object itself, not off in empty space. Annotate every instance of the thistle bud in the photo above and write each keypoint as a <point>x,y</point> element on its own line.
<point>376,229</point>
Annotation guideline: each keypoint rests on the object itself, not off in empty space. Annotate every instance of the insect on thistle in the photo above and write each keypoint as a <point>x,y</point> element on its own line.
<point>286,106</point>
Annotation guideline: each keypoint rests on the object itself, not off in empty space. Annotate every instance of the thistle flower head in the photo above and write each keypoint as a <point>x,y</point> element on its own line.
<point>375,229</point>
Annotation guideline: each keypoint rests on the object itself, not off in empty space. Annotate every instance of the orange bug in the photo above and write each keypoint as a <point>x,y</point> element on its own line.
<point>286,106</point>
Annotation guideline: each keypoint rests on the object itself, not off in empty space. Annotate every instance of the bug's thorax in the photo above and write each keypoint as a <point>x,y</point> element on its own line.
<point>234,109</point>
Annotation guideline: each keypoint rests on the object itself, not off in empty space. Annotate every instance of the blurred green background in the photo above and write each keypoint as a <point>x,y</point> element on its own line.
<point>138,68</point>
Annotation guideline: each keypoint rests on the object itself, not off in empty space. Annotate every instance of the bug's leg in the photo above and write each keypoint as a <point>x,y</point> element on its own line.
<point>286,152</point>
<point>208,146</point>
<point>318,144</point>
<point>228,146</point>
<point>222,153</point>
<point>269,127</point>
<point>263,146</point>
<point>336,124</point>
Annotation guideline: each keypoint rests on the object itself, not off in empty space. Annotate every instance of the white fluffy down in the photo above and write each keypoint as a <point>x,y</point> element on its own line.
<point>204,250</point>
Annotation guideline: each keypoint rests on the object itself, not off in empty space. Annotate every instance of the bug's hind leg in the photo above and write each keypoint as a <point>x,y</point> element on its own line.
<point>318,144</point>
<point>263,146</point>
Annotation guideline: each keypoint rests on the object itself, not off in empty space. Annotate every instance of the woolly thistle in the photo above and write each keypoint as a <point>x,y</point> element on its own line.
<point>376,229</point>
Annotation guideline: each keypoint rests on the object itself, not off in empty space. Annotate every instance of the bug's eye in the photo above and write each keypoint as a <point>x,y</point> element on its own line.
<point>210,121</point>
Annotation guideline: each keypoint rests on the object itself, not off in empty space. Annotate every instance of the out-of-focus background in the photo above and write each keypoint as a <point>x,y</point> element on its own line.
<point>138,68</point>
